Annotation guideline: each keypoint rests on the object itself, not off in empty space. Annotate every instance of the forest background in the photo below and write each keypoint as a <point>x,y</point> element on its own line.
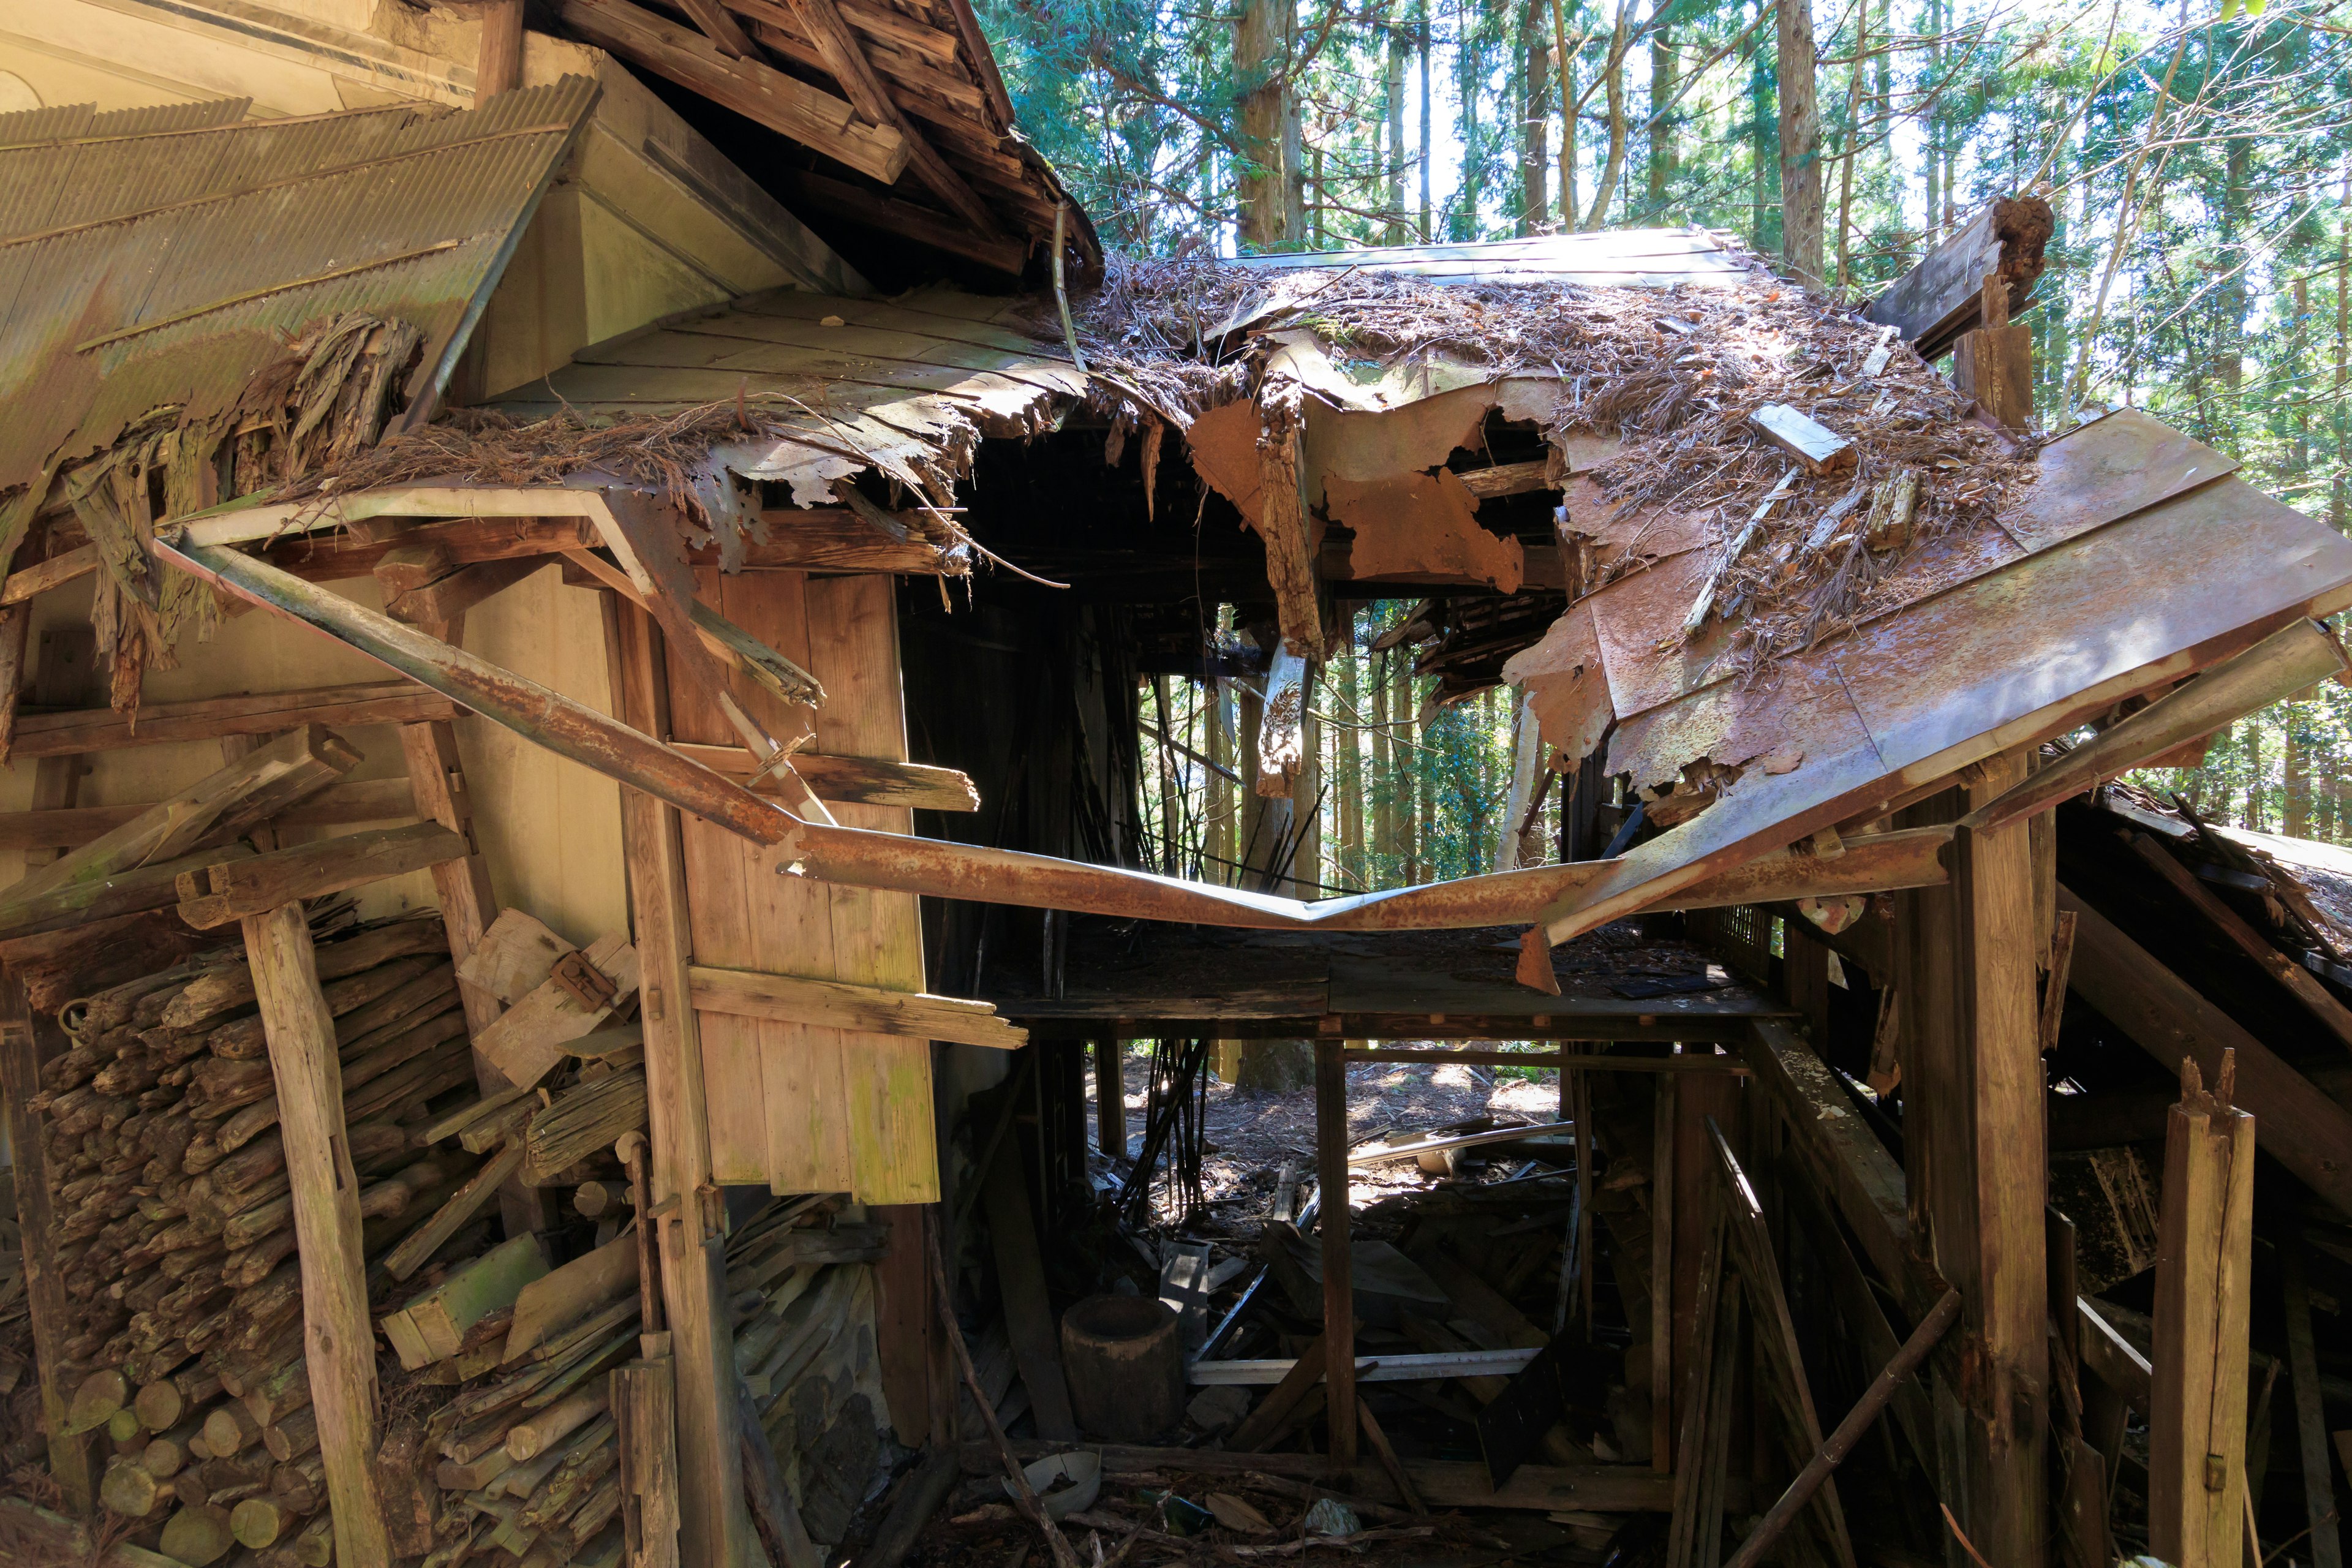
<point>2198,157</point>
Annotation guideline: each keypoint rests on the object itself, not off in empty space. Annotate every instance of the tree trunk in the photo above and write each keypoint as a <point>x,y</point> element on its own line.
<point>1534,116</point>
<point>1759,155</point>
<point>1382,869</point>
<point>1400,44</point>
<point>2253,775</point>
<point>1613,89</point>
<point>1275,1067</point>
<point>1845,163</point>
<point>1461,219</point>
<point>1351,857</point>
<point>1219,836</point>
<point>1567,113</point>
<point>1258,35</point>
<point>1801,144</point>
<point>2295,764</point>
<point>1664,67</point>
<point>1293,143</point>
<point>1421,13</point>
<point>2339,511</point>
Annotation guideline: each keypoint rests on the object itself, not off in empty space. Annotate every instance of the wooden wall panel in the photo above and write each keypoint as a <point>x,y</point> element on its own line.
<point>801,1107</point>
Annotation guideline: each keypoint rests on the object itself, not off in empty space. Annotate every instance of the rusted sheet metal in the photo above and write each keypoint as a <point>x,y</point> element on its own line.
<point>159,265</point>
<point>2109,469</point>
<point>1656,258</point>
<point>2029,650</point>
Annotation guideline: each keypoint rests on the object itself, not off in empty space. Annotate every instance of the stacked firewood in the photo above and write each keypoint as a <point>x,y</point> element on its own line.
<point>176,1225</point>
<point>801,1287</point>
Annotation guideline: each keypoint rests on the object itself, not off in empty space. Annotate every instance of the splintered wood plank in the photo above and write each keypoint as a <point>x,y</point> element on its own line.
<point>878,937</point>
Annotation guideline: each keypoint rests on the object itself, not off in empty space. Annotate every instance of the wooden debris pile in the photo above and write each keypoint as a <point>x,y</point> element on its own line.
<point>801,1287</point>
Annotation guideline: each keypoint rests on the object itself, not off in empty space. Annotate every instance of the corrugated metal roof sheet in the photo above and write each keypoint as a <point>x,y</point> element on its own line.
<point>1630,257</point>
<point>891,382</point>
<point>163,257</point>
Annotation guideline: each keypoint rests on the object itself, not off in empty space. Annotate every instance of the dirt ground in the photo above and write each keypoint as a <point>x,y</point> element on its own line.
<point>1250,1132</point>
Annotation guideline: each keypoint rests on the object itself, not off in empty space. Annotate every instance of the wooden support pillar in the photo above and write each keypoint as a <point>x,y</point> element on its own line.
<point>2310,1413</point>
<point>468,906</point>
<point>1662,1274</point>
<point>1976,1163</point>
<point>1338,1284</point>
<point>338,1340</point>
<point>1110,1095</point>
<point>2197,1416</point>
<point>1994,363</point>
<point>22,1040</point>
<point>498,59</point>
<point>713,1527</point>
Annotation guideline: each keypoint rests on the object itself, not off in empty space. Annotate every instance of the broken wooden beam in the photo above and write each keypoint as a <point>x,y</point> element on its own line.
<point>2303,1129</point>
<point>210,718</point>
<point>1281,743</point>
<point>1414,1368</point>
<point>2297,654</point>
<point>1374,1153</point>
<point>79,905</point>
<point>214,895</point>
<point>1695,1062</point>
<point>1942,296</point>
<point>1839,1443</point>
<point>850,781</point>
<point>868,1009</point>
<point>759,92</point>
<point>356,549</point>
<point>924,225</point>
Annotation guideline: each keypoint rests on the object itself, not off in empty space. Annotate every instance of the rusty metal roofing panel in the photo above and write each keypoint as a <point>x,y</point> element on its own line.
<point>241,236</point>
<point>1617,257</point>
<point>2030,649</point>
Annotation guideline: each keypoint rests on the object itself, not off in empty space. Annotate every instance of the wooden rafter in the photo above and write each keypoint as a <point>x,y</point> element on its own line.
<point>844,56</point>
<point>721,27</point>
<point>789,107</point>
<point>936,230</point>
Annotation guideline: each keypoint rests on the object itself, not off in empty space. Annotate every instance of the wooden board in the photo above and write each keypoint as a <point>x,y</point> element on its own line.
<point>210,718</point>
<point>20,1057</point>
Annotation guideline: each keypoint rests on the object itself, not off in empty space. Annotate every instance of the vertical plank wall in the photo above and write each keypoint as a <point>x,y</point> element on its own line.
<point>799,1108</point>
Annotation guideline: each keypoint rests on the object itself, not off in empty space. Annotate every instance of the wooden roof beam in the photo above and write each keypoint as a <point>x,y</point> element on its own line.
<point>721,28</point>
<point>786,105</point>
<point>920,223</point>
<point>1936,301</point>
<point>844,56</point>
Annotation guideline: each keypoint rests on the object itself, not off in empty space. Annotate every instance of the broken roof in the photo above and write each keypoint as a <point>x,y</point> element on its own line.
<point>1811,582</point>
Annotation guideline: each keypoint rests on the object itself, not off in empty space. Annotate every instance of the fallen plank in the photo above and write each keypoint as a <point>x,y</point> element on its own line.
<point>1817,447</point>
<point>214,895</point>
<point>1374,1155</point>
<point>527,1039</point>
<point>868,1009</point>
<point>1414,1368</point>
<point>1692,1062</point>
<point>78,730</point>
<point>1443,1483</point>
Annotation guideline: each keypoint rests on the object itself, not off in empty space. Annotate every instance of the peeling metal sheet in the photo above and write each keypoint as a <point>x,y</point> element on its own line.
<point>163,258</point>
<point>2012,656</point>
<point>1426,527</point>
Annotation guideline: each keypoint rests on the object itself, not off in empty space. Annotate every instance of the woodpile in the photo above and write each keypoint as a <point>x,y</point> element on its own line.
<point>185,1344</point>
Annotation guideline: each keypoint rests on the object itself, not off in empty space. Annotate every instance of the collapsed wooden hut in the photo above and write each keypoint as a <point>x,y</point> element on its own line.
<point>509,1056</point>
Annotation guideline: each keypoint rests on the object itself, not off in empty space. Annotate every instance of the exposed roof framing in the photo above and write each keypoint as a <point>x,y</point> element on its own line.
<point>884,87</point>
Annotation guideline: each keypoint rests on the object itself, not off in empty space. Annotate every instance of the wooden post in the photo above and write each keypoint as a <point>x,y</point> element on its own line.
<point>1110,1095</point>
<point>437,782</point>
<point>713,1527</point>
<point>65,675</point>
<point>1338,1284</point>
<point>498,59</point>
<point>2196,1419</point>
<point>1661,1276</point>
<point>21,1040</point>
<point>1994,363</point>
<point>644,1412</point>
<point>1976,1160</point>
<point>2310,1414</point>
<point>339,1341</point>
